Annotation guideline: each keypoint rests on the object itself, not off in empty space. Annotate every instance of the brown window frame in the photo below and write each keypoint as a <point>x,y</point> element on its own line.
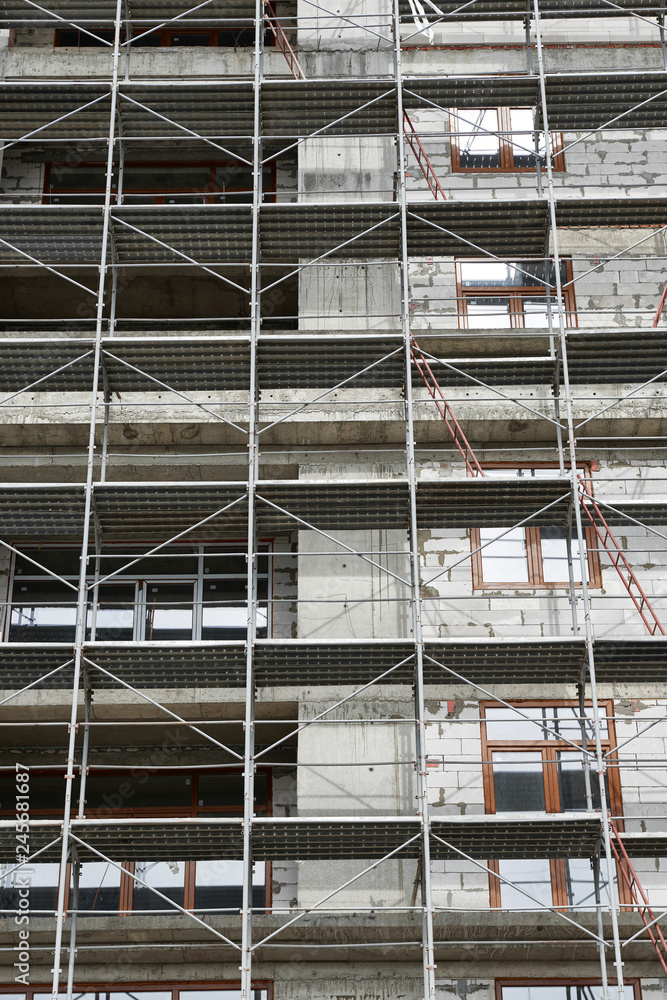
<point>534,559</point>
<point>126,892</point>
<point>506,149</point>
<point>174,987</point>
<point>632,982</point>
<point>159,199</point>
<point>515,296</point>
<point>551,793</point>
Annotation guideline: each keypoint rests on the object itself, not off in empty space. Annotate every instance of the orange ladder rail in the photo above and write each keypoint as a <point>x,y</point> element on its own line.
<point>444,409</point>
<point>425,164</point>
<point>639,897</point>
<point>661,305</point>
<point>619,560</point>
<point>282,41</point>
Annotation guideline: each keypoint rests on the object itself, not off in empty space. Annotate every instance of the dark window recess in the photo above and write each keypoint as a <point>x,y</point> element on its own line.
<point>228,183</point>
<point>230,37</point>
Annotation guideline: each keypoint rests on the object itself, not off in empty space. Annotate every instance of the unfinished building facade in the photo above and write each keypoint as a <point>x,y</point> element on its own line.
<point>333,500</point>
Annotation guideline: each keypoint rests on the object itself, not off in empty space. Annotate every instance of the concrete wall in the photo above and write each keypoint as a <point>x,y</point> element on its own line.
<point>341,596</point>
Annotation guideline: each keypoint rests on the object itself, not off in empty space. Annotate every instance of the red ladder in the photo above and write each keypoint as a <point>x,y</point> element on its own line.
<point>280,38</point>
<point>425,164</point>
<point>618,560</point>
<point>444,409</point>
<point>661,304</point>
<point>639,897</point>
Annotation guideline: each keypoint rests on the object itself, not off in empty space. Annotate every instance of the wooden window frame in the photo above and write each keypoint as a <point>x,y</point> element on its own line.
<point>506,149</point>
<point>171,985</point>
<point>534,557</point>
<point>632,982</point>
<point>126,891</point>
<point>514,295</point>
<point>210,194</point>
<point>551,792</point>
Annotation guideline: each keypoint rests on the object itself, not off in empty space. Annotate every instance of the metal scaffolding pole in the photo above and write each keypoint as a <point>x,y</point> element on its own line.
<point>428,948</point>
<point>600,761</point>
<point>253,473</point>
<point>82,597</point>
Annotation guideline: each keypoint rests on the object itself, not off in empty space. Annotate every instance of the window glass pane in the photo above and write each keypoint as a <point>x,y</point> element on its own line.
<point>488,312</point>
<point>572,784</point>
<point>75,996</point>
<point>233,37</point>
<point>190,38</point>
<point>43,879</point>
<point>536,312</point>
<point>511,274</point>
<point>153,39</point>
<point>530,874</point>
<point>219,790</point>
<point>563,992</point>
<point>518,781</point>
<point>581,884</point>
<point>219,884</point>
<point>225,614</point>
<point>568,724</point>
<point>67,38</point>
<point>174,562</point>
<point>139,790</point>
<point>169,611</point>
<point>523,141</point>
<point>504,724</point>
<point>88,178</point>
<point>64,562</point>
<point>101,36</point>
<point>554,556</point>
<point>47,792</point>
<point>42,612</point>
<point>225,563</point>
<point>165,876</point>
<point>144,994</point>
<point>478,146</point>
<point>484,273</point>
<point>504,561</point>
<point>99,887</point>
<point>114,618</point>
<point>161,179</point>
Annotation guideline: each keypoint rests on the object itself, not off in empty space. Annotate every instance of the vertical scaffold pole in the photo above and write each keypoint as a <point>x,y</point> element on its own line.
<point>80,628</point>
<point>428,951</point>
<point>574,486</point>
<point>253,469</point>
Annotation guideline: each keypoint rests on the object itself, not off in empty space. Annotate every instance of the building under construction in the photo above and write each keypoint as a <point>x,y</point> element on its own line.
<point>333,504</point>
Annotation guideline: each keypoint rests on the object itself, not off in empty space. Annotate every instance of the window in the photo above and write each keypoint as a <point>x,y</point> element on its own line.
<point>145,991</point>
<point>242,36</point>
<point>531,765</point>
<point>497,140</point>
<point>205,886</point>
<point>560,989</point>
<point>189,592</point>
<point>512,295</point>
<point>227,183</point>
<point>530,557</point>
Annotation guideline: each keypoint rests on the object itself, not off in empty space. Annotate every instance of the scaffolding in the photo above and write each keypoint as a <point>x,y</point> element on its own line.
<point>229,371</point>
